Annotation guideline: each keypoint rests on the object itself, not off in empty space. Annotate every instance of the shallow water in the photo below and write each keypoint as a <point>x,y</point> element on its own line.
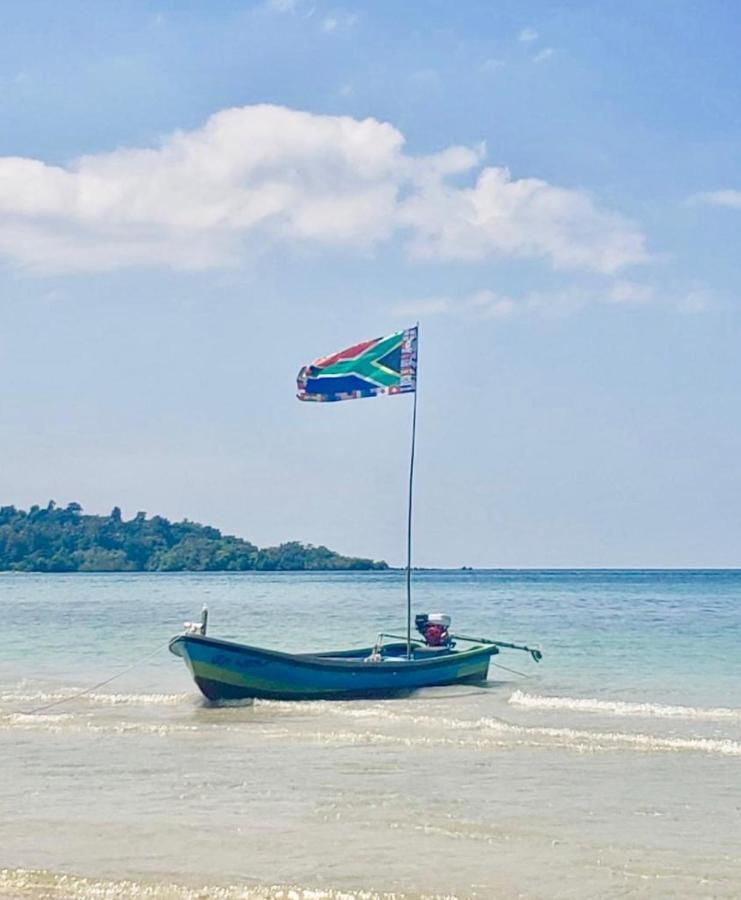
<point>610,770</point>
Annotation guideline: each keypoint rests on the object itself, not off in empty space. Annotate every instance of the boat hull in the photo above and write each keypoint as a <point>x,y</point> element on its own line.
<point>224,670</point>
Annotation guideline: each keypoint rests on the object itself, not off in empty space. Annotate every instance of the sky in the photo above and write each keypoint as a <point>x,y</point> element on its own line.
<point>198,198</point>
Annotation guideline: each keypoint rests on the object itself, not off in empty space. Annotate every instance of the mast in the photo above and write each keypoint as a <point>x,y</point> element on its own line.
<point>409,508</point>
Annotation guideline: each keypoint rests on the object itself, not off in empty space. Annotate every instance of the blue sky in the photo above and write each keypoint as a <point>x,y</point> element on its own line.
<point>195,199</point>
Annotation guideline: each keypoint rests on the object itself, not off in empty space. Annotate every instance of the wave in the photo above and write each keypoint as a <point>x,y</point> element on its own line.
<point>39,696</point>
<point>582,739</point>
<point>626,708</point>
<point>43,883</point>
<point>546,738</point>
<point>67,722</point>
<point>387,724</point>
<point>489,733</point>
<point>498,733</point>
<point>480,735</point>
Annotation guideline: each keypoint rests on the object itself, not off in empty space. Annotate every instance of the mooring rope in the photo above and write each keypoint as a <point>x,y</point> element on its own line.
<point>93,687</point>
<point>513,671</point>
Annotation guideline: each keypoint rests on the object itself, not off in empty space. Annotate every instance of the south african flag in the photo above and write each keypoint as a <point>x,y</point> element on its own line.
<point>386,365</point>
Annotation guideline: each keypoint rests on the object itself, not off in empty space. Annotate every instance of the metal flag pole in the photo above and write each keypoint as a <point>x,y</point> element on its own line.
<point>409,508</point>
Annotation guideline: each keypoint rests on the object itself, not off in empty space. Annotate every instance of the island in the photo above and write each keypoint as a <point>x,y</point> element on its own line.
<point>63,539</point>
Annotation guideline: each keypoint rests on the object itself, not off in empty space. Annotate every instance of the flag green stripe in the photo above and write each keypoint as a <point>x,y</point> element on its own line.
<point>365,365</point>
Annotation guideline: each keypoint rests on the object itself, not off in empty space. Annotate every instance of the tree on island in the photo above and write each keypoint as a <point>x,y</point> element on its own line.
<point>54,539</point>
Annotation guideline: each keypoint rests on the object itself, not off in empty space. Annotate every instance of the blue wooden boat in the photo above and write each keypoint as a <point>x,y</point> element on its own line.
<point>225,670</point>
<point>228,671</point>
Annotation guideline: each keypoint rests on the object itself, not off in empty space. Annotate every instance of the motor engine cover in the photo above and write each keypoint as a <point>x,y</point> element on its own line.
<point>434,628</point>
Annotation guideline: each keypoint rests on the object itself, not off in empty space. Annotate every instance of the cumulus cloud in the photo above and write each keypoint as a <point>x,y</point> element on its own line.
<point>282,6</point>
<point>264,175</point>
<point>697,300</point>
<point>729,198</point>
<point>482,304</point>
<point>429,306</point>
<point>630,292</point>
<point>339,20</point>
<point>571,298</point>
<point>527,36</point>
<point>489,304</point>
<point>492,305</point>
<point>524,217</point>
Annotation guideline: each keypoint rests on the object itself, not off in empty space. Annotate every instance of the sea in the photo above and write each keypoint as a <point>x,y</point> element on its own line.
<point>610,769</point>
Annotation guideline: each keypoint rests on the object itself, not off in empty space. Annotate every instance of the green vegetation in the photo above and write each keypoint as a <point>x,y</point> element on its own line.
<point>52,539</point>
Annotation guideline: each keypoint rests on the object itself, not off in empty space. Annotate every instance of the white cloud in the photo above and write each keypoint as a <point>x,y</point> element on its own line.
<point>567,300</point>
<point>266,175</point>
<point>630,292</point>
<point>544,55</point>
<point>729,198</point>
<point>339,20</point>
<point>526,217</point>
<point>429,306</point>
<point>696,300</point>
<point>282,6</point>
<point>481,304</point>
<point>425,78</point>
<point>492,65</point>
<point>527,36</point>
<point>491,305</point>
<point>302,8</point>
<point>486,304</point>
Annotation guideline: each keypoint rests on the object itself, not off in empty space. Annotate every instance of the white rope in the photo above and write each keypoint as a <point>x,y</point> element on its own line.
<point>89,690</point>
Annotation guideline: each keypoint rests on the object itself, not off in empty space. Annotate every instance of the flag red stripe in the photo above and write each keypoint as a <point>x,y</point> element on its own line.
<point>349,353</point>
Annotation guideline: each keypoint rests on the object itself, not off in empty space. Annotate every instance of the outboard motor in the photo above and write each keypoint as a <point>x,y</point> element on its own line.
<point>434,629</point>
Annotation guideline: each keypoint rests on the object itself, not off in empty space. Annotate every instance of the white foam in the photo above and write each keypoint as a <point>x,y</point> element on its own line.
<point>26,882</point>
<point>493,735</point>
<point>22,718</point>
<point>526,735</point>
<point>28,697</point>
<point>583,739</point>
<point>140,699</point>
<point>625,708</point>
<point>476,734</point>
<point>69,723</point>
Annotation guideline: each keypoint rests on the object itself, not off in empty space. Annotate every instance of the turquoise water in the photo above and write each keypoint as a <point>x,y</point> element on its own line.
<point>611,769</point>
